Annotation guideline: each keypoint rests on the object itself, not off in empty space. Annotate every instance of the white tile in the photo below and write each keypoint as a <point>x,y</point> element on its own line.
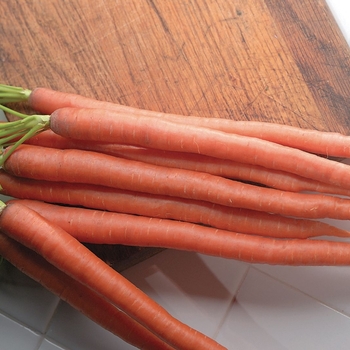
<point>271,315</point>
<point>194,288</point>
<point>14,336</point>
<point>328,284</point>
<point>74,331</point>
<point>24,299</point>
<point>48,345</point>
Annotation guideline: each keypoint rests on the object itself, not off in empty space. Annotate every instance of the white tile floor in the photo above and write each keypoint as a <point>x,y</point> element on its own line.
<point>242,306</point>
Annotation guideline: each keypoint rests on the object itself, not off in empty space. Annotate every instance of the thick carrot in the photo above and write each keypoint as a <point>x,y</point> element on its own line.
<point>196,162</point>
<point>59,248</point>
<point>102,227</point>
<point>199,212</point>
<point>78,296</point>
<point>165,135</point>
<point>331,144</point>
<point>66,253</point>
<point>78,166</point>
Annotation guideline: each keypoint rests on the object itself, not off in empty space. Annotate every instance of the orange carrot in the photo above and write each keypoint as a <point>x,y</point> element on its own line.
<point>46,101</point>
<point>196,162</point>
<point>165,135</point>
<point>64,252</point>
<point>199,212</point>
<point>77,166</point>
<point>78,296</point>
<point>102,227</point>
<point>330,144</point>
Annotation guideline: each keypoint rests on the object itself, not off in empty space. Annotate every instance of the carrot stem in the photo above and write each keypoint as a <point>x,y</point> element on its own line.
<point>13,93</point>
<point>13,112</point>
<point>16,132</point>
<point>33,131</point>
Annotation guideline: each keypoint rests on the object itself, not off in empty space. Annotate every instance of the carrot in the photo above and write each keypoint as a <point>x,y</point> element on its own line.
<point>165,135</point>
<point>47,101</point>
<point>78,296</point>
<point>161,134</point>
<point>196,162</point>
<point>66,253</point>
<point>248,248</point>
<point>225,218</point>
<point>77,166</point>
<point>102,227</point>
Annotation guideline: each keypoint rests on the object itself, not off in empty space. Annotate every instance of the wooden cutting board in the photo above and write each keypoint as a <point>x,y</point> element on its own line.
<point>269,60</point>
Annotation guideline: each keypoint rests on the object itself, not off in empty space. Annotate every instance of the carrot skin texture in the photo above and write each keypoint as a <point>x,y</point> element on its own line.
<point>196,162</point>
<point>332,144</point>
<point>78,296</point>
<point>64,252</point>
<point>47,101</point>
<point>247,248</point>
<point>165,135</point>
<point>128,202</point>
<point>99,227</point>
<point>94,168</point>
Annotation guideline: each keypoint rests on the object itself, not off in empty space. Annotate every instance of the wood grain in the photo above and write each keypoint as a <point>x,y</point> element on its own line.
<point>249,60</point>
<point>278,61</point>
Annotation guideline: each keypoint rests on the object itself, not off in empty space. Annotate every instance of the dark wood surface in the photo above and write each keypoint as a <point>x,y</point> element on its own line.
<point>279,61</point>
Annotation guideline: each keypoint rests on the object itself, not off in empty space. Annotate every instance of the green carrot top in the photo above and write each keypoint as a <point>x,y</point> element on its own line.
<point>16,132</point>
<point>13,94</point>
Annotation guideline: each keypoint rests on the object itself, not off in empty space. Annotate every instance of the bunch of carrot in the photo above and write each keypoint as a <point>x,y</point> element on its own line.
<point>96,172</point>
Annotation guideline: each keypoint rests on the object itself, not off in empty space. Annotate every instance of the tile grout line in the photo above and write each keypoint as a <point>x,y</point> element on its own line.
<point>301,291</point>
<point>49,323</point>
<point>55,342</point>
<point>19,322</point>
<point>40,342</point>
<point>233,300</point>
<point>40,334</point>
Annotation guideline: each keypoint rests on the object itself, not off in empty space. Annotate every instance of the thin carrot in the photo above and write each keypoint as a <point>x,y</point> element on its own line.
<point>46,101</point>
<point>59,248</point>
<point>161,134</point>
<point>66,253</point>
<point>165,135</point>
<point>103,227</point>
<point>199,212</point>
<point>77,166</point>
<point>196,162</point>
<point>78,296</point>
